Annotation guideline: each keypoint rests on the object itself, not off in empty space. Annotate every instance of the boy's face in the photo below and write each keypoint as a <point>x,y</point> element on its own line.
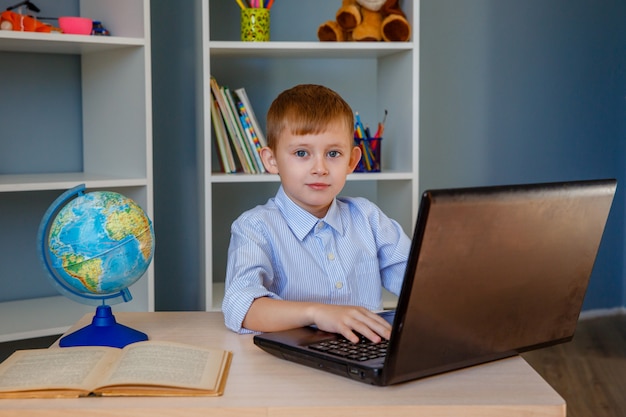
<point>313,168</point>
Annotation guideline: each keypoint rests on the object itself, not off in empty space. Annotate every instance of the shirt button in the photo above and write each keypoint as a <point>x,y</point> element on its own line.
<point>320,225</point>
<point>331,257</point>
<point>338,285</point>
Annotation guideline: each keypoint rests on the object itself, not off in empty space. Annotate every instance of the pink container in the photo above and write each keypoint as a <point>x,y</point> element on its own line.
<point>75,25</point>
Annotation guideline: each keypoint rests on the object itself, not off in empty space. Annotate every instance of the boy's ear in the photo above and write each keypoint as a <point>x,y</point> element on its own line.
<point>355,157</point>
<point>269,161</point>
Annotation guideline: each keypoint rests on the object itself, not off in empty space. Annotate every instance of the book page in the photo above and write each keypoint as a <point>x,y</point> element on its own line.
<point>62,368</point>
<point>167,364</point>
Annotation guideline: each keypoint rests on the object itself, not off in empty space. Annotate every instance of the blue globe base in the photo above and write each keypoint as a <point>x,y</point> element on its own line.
<point>103,331</point>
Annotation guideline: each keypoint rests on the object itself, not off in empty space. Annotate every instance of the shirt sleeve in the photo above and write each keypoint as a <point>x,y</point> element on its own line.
<point>393,251</point>
<point>248,268</point>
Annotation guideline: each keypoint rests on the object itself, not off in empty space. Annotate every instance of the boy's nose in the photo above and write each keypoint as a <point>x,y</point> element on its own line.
<point>319,166</point>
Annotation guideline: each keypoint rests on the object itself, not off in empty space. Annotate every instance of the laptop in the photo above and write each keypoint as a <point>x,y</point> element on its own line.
<point>492,272</point>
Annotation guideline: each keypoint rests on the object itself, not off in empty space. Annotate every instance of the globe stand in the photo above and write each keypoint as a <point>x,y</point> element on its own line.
<point>103,331</point>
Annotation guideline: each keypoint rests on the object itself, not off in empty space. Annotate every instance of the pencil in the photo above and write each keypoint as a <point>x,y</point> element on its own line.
<point>240,3</point>
<point>366,155</point>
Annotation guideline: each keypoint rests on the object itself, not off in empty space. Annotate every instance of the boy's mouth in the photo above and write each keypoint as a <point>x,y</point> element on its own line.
<point>318,185</point>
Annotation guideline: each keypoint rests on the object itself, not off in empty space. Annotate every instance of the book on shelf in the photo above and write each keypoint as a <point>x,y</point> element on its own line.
<point>244,132</point>
<point>231,127</point>
<point>150,368</point>
<point>222,141</point>
<point>251,131</point>
<point>249,111</point>
<point>241,127</point>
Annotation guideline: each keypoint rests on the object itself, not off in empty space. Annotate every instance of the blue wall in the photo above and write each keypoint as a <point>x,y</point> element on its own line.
<point>528,91</point>
<point>176,170</point>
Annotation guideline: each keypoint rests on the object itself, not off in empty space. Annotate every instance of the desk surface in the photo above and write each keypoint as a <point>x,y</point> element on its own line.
<point>262,385</point>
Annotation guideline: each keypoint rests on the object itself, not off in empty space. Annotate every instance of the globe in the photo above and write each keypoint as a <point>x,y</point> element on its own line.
<point>94,246</point>
<point>101,243</point>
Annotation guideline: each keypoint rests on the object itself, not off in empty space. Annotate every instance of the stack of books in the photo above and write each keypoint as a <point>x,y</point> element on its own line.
<point>237,132</point>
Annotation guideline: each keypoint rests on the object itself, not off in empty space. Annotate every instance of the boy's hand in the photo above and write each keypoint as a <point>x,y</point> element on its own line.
<point>347,320</point>
<point>270,315</point>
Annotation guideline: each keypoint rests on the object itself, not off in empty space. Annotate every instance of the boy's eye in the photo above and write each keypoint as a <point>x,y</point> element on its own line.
<point>334,154</point>
<point>301,153</point>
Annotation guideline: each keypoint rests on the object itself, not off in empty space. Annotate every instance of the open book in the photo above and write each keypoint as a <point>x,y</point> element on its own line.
<point>151,368</point>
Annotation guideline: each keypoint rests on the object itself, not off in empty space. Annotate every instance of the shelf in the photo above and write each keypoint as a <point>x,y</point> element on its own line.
<point>307,49</point>
<point>41,182</point>
<point>46,316</point>
<point>77,110</point>
<point>59,43</point>
<point>39,317</point>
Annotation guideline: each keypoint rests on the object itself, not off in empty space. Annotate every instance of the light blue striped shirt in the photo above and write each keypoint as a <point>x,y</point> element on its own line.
<point>280,250</point>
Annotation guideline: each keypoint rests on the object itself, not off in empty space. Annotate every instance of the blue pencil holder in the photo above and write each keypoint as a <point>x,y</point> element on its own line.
<point>370,154</point>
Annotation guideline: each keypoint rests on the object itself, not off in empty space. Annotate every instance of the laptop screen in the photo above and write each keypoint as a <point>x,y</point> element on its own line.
<point>497,270</point>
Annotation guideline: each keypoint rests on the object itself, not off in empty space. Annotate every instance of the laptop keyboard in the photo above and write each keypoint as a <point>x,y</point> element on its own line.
<point>364,350</point>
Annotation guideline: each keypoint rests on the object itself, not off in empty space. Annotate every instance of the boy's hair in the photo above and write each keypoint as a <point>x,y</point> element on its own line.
<point>306,109</point>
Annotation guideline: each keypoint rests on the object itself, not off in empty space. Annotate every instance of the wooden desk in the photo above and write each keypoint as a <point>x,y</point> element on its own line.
<point>262,385</point>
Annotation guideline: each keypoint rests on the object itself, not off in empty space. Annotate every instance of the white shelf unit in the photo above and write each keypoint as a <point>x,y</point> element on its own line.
<point>372,77</point>
<point>114,151</point>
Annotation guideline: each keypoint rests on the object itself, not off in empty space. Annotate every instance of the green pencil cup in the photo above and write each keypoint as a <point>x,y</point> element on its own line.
<point>255,24</point>
<point>370,154</point>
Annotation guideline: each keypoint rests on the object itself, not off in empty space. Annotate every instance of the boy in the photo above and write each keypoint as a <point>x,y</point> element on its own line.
<point>307,257</point>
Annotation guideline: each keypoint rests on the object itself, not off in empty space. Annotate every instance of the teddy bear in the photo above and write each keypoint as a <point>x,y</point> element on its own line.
<point>367,20</point>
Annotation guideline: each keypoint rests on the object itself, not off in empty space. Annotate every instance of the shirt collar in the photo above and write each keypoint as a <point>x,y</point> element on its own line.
<point>300,221</point>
